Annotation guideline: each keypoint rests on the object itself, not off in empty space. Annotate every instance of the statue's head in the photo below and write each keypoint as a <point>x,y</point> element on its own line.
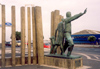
<point>68,14</point>
<point>62,20</point>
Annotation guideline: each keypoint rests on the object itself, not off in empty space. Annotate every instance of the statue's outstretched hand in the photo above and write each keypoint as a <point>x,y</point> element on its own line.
<point>85,10</point>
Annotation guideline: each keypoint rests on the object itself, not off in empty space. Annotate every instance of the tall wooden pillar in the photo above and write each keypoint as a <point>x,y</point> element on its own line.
<point>29,36</point>
<point>52,23</point>
<point>13,35</point>
<point>0,27</point>
<point>39,33</point>
<point>56,19</point>
<point>34,37</point>
<point>3,36</point>
<point>23,35</point>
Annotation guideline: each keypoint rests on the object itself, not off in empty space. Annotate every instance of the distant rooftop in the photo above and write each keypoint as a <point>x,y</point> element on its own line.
<point>87,32</point>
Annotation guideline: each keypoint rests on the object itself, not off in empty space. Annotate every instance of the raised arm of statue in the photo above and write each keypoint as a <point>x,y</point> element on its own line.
<point>77,16</point>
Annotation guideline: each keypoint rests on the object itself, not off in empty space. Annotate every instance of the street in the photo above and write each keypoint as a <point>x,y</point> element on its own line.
<point>91,56</point>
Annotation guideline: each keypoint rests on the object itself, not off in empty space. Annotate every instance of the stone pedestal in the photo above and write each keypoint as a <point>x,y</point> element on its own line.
<point>63,61</point>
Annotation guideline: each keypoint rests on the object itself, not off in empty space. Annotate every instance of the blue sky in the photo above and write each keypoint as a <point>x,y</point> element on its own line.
<point>90,20</point>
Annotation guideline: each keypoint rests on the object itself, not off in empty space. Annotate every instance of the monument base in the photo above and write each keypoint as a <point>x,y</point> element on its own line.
<point>72,62</point>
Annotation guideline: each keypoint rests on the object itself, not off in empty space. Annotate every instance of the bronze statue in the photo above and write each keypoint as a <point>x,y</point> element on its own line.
<point>64,32</point>
<point>57,41</point>
<point>60,37</point>
<point>67,31</point>
<point>52,44</point>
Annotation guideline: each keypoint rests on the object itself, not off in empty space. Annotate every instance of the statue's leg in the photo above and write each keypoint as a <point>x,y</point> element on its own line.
<point>62,50</point>
<point>70,50</point>
<point>51,50</point>
<point>70,47</point>
<point>55,49</point>
<point>70,43</point>
<point>65,46</point>
<point>52,45</point>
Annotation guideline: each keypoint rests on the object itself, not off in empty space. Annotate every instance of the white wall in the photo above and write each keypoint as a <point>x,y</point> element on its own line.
<point>0,23</point>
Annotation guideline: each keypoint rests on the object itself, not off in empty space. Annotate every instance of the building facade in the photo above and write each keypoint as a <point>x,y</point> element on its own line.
<point>82,37</point>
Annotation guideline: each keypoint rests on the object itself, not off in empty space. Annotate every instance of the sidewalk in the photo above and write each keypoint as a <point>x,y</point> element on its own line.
<point>40,67</point>
<point>87,46</point>
<point>29,67</point>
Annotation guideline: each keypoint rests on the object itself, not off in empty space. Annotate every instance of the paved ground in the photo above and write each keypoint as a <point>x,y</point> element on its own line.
<point>87,46</point>
<point>39,67</point>
<point>90,55</point>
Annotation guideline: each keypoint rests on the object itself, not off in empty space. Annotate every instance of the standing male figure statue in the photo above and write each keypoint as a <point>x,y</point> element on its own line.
<point>67,31</point>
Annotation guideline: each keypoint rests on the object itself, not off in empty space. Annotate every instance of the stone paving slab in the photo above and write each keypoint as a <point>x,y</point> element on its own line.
<point>40,67</point>
<point>29,67</point>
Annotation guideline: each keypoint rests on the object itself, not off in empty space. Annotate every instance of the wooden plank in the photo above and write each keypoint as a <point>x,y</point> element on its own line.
<point>3,36</point>
<point>34,37</point>
<point>13,36</point>
<point>23,35</point>
<point>39,33</point>
<point>29,36</point>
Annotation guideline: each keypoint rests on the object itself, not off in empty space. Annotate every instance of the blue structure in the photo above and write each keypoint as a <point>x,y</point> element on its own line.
<point>8,24</point>
<point>83,38</point>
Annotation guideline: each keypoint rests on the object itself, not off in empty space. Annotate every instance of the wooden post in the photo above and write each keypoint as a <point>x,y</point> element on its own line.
<point>0,24</point>
<point>39,32</point>
<point>3,36</point>
<point>13,35</point>
<point>34,37</point>
<point>29,36</point>
<point>23,35</point>
<point>56,19</point>
<point>52,23</point>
